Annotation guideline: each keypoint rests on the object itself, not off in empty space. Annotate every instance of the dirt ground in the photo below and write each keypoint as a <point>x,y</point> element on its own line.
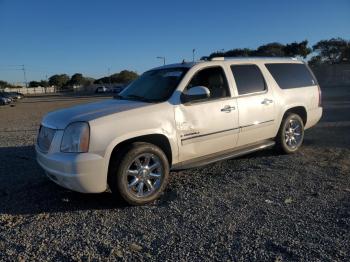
<point>263,206</point>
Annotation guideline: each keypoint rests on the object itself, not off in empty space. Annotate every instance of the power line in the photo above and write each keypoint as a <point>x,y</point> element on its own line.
<point>22,68</point>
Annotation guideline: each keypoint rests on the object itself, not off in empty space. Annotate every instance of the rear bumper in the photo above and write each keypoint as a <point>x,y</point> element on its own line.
<point>313,116</point>
<point>83,172</point>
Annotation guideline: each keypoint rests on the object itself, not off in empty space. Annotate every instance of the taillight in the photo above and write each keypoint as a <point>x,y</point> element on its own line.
<point>319,96</point>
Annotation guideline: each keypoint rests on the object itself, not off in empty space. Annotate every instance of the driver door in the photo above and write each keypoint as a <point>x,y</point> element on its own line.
<point>210,125</point>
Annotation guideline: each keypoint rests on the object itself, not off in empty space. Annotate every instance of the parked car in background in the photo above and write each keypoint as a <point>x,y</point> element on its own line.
<point>101,90</point>
<point>4,100</point>
<point>12,95</point>
<point>176,117</point>
<point>7,96</point>
<point>15,95</point>
<point>118,89</point>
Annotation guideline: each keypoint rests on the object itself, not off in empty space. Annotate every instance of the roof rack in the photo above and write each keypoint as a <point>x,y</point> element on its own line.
<point>222,58</point>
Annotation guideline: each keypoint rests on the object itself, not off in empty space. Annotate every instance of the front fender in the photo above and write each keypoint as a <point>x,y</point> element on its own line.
<point>134,135</point>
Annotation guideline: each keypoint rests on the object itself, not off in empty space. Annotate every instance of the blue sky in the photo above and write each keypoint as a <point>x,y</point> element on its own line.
<point>91,36</point>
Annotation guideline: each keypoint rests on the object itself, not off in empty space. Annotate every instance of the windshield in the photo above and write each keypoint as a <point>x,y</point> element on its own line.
<point>154,86</point>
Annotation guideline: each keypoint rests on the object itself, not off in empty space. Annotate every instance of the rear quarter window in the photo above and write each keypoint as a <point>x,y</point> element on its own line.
<point>289,75</point>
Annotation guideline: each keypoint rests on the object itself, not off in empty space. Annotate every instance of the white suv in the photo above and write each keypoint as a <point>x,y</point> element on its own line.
<point>176,117</point>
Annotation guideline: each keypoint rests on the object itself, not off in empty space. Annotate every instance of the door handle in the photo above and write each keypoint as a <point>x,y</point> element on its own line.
<point>228,108</point>
<point>267,101</point>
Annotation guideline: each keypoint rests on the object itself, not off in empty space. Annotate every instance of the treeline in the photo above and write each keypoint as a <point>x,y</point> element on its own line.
<point>124,76</point>
<point>64,81</point>
<point>332,51</point>
<point>4,84</point>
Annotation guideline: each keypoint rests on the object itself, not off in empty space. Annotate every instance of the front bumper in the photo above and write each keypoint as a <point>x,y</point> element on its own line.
<point>81,172</point>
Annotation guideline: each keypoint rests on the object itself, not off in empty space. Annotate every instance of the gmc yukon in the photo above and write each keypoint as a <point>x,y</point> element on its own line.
<point>176,117</point>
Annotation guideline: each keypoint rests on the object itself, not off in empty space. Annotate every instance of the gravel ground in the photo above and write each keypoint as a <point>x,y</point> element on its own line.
<point>263,206</point>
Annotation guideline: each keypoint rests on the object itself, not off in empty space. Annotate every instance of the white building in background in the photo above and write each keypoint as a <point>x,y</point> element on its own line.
<point>32,90</point>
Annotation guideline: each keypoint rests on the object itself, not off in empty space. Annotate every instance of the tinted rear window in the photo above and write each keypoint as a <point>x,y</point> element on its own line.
<point>291,75</point>
<point>248,79</point>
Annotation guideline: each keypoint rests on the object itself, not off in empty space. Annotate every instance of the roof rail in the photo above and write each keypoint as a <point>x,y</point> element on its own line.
<point>218,58</point>
<point>222,58</point>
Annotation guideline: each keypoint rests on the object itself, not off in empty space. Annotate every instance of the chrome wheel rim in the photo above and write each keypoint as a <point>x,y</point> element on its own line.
<point>293,133</point>
<point>144,175</point>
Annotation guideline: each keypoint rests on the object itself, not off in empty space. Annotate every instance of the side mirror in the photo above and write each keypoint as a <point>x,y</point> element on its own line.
<point>195,93</point>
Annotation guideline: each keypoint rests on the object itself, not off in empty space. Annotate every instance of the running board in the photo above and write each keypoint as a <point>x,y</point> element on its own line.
<point>227,154</point>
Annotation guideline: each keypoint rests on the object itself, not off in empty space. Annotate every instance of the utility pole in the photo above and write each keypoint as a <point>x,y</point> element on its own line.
<point>24,75</point>
<point>193,51</point>
<point>109,77</point>
<point>47,83</point>
<point>163,58</point>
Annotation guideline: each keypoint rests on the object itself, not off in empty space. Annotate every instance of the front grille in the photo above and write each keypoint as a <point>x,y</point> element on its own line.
<point>45,138</point>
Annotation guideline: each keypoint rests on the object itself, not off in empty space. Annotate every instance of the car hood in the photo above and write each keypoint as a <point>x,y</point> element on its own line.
<point>61,118</point>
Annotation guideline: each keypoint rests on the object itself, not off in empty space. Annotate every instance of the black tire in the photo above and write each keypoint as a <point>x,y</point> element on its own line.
<point>133,158</point>
<point>287,141</point>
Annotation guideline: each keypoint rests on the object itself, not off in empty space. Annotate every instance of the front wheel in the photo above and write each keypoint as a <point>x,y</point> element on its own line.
<point>141,174</point>
<point>291,134</point>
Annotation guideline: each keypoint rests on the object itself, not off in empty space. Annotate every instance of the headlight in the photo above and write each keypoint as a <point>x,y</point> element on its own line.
<point>76,138</point>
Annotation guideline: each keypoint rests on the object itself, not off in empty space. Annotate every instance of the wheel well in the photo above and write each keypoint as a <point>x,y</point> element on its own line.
<point>156,139</point>
<point>299,110</point>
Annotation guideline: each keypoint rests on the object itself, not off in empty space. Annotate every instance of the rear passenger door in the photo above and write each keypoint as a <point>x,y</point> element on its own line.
<point>256,105</point>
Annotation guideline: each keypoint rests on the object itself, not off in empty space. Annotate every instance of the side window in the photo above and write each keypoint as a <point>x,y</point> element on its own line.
<point>214,79</point>
<point>291,75</point>
<point>249,79</point>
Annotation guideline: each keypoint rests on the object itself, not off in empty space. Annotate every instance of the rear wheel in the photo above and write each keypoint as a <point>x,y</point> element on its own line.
<point>140,175</point>
<point>291,133</point>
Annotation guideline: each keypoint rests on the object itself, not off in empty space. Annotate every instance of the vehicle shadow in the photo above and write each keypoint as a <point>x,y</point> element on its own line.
<point>25,189</point>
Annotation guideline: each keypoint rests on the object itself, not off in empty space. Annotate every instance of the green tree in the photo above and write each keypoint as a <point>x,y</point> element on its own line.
<point>103,80</point>
<point>124,76</point>
<point>332,51</point>
<point>212,55</point>
<point>88,81</point>
<point>44,83</point>
<point>239,52</point>
<point>3,84</point>
<point>270,49</point>
<point>34,84</point>
<point>297,49</point>
<point>59,80</point>
<point>77,80</point>
<point>315,60</point>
